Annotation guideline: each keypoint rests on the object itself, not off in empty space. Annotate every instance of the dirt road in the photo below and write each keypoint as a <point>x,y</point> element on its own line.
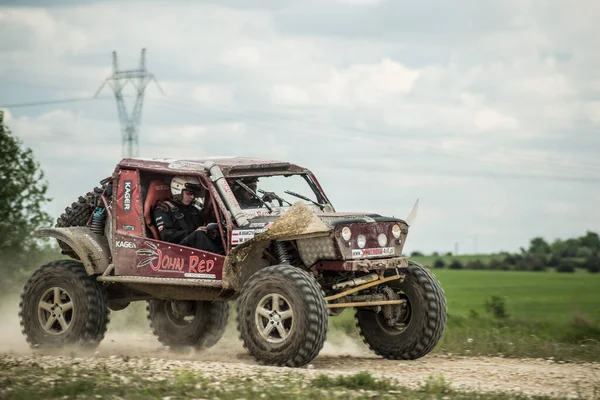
<point>341,355</point>
<point>531,377</point>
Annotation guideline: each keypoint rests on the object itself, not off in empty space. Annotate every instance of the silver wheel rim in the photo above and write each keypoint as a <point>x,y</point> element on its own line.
<point>274,318</point>
<point>177,317</point>
<point>55,311</point>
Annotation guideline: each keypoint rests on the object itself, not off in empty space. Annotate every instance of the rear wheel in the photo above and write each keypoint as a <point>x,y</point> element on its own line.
<point>78,214</point>
<point>416,326</point>
<point>62,305</point>
<point>179,324</point>
<point>282,316</point>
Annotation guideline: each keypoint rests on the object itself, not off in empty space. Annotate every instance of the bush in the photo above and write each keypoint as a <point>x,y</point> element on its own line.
<point>416,254</point>
<point>495,264</point>
<point>475,264</point>
<point>439,263</point>
<point>592,264</point>
<point>554,260</point>
<point>511,259</point>
<point>521,265</point>
<point>565,266</point>
<point>536,262</point>
<point>593,269</point>
<point>455,264</point>
<point>496,306</point>
<point>584,252</point>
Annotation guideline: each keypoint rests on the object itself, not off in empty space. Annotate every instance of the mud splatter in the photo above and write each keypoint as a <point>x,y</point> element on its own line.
<point>299,220</point>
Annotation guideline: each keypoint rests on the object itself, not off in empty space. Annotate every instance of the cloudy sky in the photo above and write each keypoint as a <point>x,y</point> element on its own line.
<point>487,112</point>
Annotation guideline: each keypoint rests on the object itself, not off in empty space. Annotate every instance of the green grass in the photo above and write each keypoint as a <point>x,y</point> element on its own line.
<point>31,380</point>
<point>548,314</point>
<point>547,297</point>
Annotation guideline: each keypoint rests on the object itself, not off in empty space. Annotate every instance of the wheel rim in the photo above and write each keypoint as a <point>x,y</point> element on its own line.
<point>274,318</point>
<point>180,314</point>
<point>402,320</point>
<point>55,311</point>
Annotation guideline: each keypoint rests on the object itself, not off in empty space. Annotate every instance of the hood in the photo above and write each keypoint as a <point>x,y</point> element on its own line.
<point>331,219</point>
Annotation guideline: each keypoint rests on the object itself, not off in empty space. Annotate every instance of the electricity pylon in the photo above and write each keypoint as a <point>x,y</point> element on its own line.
<point>139,78</point>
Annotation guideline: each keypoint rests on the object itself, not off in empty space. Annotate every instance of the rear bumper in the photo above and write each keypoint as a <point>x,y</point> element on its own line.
<point>362,265</point>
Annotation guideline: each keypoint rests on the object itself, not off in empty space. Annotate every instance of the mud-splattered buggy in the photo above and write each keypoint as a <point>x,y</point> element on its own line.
<point>290,264</point>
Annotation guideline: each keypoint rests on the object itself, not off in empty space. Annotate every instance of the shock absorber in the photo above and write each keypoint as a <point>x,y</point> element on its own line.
<point>282,253</point>
<point>98,220</point>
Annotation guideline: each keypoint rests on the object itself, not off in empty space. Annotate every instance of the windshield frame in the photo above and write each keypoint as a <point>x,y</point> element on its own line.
<point>317,195</point>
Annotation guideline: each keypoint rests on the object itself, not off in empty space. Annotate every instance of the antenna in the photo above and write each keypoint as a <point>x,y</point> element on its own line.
<point>139,78</point>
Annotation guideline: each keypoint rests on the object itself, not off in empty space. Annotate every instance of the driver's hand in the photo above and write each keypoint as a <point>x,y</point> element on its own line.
<point>269,196</point>
<point>212,230</point>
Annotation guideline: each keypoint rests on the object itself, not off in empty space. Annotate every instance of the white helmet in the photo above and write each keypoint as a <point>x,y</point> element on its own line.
<point>178,183</point>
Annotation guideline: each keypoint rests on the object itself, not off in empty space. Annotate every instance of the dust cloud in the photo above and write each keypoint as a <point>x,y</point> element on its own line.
<point>129,335</point>
<point>11,340</point>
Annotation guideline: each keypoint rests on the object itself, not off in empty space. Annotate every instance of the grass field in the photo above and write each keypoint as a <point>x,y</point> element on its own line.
<point>548,314</point>
<point>550,297</point>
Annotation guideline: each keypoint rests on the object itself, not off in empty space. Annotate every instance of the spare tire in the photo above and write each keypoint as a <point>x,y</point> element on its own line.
<point>78,214</point>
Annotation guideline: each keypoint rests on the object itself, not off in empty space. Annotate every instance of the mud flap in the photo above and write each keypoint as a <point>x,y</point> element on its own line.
<point>92,249</point>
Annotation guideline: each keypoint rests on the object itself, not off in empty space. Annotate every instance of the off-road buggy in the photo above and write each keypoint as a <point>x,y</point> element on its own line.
<point>289,264</point>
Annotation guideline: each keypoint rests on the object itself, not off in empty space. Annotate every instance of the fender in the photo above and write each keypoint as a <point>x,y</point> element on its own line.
<point>92,249</point>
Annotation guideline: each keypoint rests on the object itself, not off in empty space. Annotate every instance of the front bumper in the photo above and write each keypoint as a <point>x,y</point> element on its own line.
<point>362,265</point>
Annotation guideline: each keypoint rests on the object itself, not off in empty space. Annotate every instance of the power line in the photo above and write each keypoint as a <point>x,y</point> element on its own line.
<point>265,119</point>
<point>47,102</point>
<point>472,154</point>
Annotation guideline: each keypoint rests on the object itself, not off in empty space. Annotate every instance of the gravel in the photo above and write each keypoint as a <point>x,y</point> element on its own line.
<point>228,359</point>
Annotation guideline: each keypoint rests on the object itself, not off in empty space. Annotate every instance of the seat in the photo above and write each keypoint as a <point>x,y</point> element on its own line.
<point>158,190</point>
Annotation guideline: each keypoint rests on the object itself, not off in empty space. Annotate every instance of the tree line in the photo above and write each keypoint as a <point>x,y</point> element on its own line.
<point>561,255</point>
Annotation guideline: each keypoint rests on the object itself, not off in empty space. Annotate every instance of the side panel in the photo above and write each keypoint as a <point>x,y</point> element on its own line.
<point>129,204</point>
<point>138,256</point>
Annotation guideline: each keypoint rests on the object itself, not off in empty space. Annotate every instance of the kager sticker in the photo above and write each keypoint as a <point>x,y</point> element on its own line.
<point>125,245</point>
<point>127,195</point>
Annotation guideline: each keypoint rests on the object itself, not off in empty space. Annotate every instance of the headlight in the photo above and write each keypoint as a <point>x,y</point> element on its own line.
<point>382,239</point>
<point>396,231</point>
<point>346,233</point>
<point>361,240</point>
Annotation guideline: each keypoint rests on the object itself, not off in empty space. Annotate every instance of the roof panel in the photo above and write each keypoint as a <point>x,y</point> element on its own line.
<point>226,163</point>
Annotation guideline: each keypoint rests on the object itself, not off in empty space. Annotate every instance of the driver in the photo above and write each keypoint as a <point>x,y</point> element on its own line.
<point>179,221</point>
<point>244,197</point>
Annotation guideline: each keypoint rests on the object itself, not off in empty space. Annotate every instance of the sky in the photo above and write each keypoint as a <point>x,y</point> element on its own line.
<point>487,112</point>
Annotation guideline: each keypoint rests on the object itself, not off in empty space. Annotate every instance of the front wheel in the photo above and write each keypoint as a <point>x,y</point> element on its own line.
<point>62,305</point>
<point>282,316</point>
<point>417,326</point>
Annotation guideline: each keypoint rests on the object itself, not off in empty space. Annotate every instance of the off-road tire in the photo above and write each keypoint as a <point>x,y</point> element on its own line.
<point>308,329</point>
<point>88,318</point>
<point>78,214</point>
<point>425,326</point>
<point>203,331</point>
